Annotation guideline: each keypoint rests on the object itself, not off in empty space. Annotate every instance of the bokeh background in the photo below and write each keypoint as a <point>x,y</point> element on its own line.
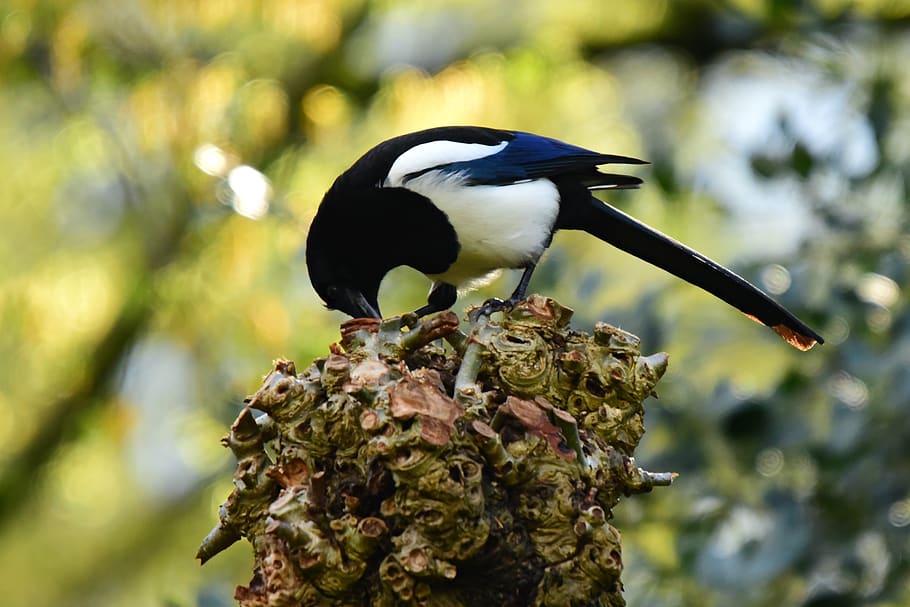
<point>161,161</point>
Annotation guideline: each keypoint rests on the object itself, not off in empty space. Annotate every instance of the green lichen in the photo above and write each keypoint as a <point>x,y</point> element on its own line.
<point>401,471</point>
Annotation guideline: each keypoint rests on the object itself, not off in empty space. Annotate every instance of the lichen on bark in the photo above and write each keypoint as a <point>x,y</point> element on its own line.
<point>417,465</point>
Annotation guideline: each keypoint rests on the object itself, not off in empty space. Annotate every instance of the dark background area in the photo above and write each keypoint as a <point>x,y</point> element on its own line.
<point>162,161</point>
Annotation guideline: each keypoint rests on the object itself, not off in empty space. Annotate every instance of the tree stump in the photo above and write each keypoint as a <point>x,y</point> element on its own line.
<point>418,465</point>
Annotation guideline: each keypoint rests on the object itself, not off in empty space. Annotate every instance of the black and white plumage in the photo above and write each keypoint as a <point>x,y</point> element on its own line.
<point>460,202</point>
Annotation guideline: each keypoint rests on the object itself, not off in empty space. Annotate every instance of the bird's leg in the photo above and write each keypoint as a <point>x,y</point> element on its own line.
<point>442,296</point>
<point>519,293</point>
<point>494,304</point>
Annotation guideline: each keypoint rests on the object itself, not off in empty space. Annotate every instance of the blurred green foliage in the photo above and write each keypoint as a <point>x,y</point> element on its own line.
<point>162,160</point>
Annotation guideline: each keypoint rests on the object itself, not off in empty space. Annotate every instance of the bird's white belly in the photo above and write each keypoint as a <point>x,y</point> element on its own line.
<point>498,226</point>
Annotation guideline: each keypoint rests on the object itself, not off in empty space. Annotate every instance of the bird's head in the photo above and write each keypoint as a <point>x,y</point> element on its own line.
<point>341,290</point>
<point>342,273</point>
<point>350,300</point>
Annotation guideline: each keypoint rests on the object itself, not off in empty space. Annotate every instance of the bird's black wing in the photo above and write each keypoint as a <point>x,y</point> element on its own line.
<point>526,156</point>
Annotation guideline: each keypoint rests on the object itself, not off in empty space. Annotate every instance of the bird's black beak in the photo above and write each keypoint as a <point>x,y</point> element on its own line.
<point>355,304</point>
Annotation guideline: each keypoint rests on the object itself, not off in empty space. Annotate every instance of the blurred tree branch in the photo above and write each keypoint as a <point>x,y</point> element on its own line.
<point>166,236</point>
<point>62,418</point>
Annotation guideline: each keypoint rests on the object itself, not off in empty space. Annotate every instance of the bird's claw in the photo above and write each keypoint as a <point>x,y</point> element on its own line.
<point>409,320</point>
<point>494,304</point>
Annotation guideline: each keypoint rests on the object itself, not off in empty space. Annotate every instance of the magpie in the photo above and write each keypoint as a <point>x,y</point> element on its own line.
<point>459,203</point>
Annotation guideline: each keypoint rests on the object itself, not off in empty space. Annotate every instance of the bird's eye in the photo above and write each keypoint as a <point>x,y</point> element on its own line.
<point>331,297</point>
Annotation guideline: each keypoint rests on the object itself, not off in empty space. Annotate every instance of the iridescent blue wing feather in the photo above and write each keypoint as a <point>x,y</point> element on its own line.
<point>528,156</point>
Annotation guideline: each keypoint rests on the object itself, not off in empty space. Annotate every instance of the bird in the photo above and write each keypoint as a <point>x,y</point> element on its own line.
<point>459,203</point>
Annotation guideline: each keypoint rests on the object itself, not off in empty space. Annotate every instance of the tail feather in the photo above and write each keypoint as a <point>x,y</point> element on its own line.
<point>611,181</point>
<point>632,236</point>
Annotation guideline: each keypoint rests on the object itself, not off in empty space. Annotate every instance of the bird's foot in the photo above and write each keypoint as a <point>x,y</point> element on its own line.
<point>494,304</point>
<point>409,320</point>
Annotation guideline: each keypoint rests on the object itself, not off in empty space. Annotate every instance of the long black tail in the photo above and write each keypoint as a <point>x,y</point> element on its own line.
<point>632,236</point>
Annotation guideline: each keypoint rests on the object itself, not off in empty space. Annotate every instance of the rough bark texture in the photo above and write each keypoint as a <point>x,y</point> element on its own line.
<point>401,470</point>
